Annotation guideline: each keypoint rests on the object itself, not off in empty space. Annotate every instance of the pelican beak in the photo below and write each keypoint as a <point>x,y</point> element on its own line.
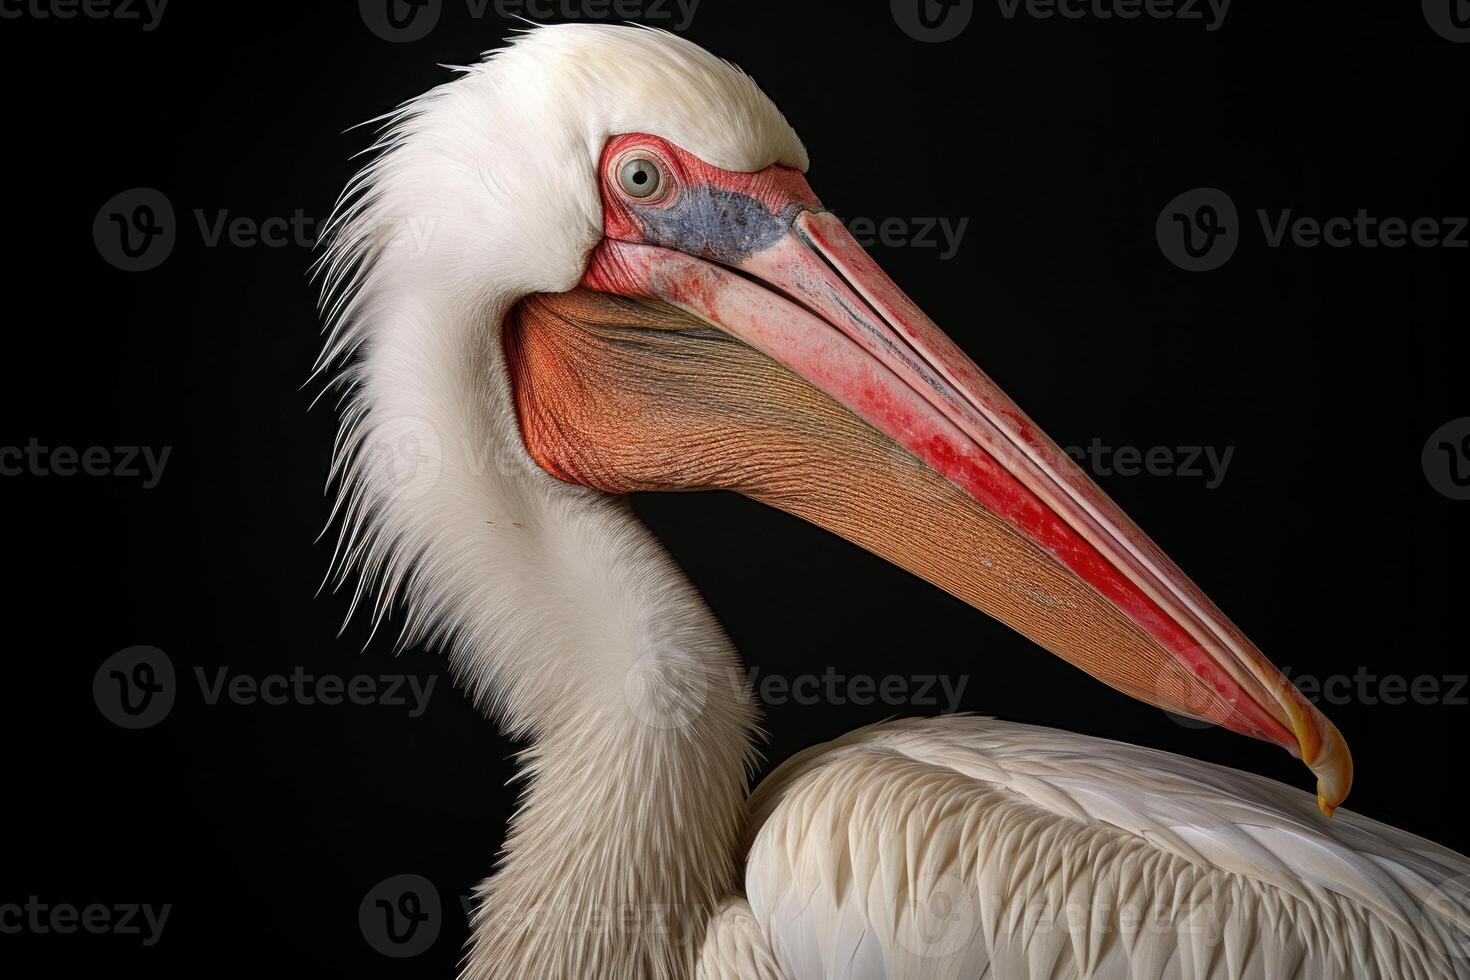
<point>979,500</point>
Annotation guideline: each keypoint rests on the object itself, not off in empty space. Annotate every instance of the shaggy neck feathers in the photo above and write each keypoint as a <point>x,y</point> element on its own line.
<point>559,612</point>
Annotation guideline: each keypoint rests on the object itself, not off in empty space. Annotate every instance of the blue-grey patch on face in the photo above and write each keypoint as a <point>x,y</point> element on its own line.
<point>712,223</point>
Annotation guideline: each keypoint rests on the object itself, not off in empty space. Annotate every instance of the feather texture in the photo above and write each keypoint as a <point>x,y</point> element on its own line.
<point>560,613</point>
<point>963,848</point>
<point>968,847</point>
<point>734,948</point>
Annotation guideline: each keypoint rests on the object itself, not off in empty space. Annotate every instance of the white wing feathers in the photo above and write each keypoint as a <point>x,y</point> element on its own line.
<point>734,948</point>
<point>968,848</point>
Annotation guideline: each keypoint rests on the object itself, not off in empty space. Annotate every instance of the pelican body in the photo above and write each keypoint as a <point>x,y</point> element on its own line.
<point>592,264</point>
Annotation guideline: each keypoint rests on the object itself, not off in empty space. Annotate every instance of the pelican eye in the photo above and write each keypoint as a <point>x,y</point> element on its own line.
<point>639,177</point>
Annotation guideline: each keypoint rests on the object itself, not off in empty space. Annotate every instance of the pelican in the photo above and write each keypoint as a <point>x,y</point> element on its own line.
<point>592,264</point>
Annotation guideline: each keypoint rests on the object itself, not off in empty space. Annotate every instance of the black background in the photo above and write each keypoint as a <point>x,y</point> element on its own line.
<point>264,826</point>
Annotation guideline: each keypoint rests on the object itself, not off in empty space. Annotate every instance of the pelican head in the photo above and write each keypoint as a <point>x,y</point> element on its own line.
<point>593,264</point>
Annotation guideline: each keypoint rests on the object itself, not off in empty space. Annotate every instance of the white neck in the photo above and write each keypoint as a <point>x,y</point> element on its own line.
<point>626,838</point>
<point>566,619</point>
<point>559,611</point>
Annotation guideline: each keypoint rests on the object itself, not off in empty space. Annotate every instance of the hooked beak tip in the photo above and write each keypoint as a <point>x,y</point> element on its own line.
<point>1329,758</point>
<point>812,300</point>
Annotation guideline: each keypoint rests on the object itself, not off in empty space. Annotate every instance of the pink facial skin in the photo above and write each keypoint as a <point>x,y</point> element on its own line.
<point>757,256</point>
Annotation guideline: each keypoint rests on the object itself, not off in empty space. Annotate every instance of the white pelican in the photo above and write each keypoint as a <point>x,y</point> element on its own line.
<point>592,264</point>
